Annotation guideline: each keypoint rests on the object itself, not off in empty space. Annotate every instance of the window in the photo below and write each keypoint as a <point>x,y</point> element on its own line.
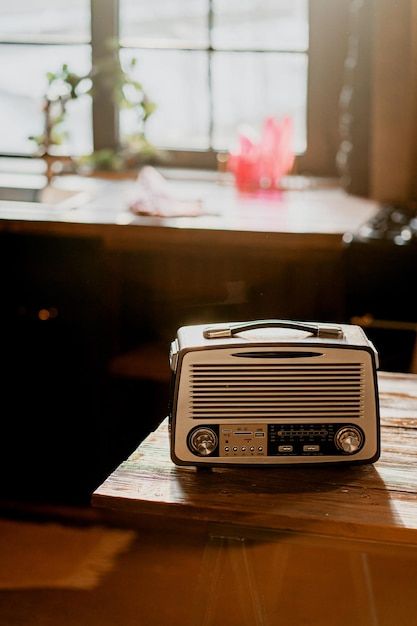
<point>209,65</point>
<point>212,65</point>
<point>37,36</point>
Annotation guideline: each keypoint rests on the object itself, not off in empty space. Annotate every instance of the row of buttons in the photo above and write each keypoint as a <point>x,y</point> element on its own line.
<point>243,449</point>
<point>307,448</point>
<point>283,449</point>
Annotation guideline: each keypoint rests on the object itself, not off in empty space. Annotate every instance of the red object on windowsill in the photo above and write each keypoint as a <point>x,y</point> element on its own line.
<point>259,166</point>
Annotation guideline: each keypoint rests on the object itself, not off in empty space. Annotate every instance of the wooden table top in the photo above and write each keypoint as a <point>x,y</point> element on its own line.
<point>369,502</point>
<point>306,217</point>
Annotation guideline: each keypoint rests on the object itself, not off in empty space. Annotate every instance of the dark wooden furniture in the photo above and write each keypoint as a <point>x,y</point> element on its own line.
<point>250,257</point>
<point>326,546</point>
<point>56,338</point>
<point>92,297</point>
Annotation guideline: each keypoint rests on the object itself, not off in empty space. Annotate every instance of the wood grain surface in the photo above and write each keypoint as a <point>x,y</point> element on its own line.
<point>371,502</point>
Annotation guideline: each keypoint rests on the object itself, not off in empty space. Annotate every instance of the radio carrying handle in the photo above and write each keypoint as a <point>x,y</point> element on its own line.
<point>329,331</point>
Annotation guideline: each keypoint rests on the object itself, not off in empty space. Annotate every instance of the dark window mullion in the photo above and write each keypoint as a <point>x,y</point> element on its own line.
<point>210,18</point>
<point>104,48</point>
<point>131,45</point>
<point>44,40</point>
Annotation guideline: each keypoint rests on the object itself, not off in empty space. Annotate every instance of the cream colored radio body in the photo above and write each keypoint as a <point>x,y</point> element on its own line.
<point>273,392</point>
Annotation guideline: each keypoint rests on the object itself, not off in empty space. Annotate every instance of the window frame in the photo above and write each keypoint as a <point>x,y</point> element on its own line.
<point>328,27</point>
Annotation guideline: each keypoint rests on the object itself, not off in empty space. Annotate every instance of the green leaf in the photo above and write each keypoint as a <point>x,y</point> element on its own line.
<point>38,139</point>
<point>136,84</point>
<point>148,107</point>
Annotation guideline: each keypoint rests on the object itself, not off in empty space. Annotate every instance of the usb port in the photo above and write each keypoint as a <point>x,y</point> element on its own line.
<point>259,434</point>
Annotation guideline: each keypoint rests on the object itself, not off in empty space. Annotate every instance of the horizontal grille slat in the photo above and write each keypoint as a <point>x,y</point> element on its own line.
<point>271,389</point>
<point>240,413</point>
<point>278,410</point>
<point>199,378</point>
<point>274,384</point>
<point>272,393</point>
<point>253,366</point>
<point>269,366</point>
<point>275,402</point>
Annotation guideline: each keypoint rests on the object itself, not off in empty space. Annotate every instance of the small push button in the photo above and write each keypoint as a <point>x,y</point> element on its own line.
<point>310,447</point>
<point>285,448</point>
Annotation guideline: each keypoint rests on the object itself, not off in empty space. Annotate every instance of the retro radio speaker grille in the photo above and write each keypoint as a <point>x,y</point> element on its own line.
<point>259,390</point>
<point>305,397</point>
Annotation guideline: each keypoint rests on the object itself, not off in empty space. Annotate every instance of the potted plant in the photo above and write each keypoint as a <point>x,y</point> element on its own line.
<point>64,86</point>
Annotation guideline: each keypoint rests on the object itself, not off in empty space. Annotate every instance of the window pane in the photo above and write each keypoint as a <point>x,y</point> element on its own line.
<point>45,17</point>
<point>176,21</point>
<point>247,87</point>
<point>260,24</point>
<point>22,84</point>
<point>177,82</point>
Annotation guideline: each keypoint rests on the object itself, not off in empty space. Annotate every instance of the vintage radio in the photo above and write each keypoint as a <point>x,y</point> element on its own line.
<point>273,392</point>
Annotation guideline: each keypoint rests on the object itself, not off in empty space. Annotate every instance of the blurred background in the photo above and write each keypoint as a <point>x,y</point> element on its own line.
<point>91,299</point>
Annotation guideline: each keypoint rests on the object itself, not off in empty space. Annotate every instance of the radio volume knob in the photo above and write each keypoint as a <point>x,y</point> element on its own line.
<point>349,439</point>
<point>203,441</point>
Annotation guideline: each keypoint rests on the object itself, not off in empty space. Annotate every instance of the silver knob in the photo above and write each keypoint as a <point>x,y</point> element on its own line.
<point>349,439</point>
<point>203,441</point>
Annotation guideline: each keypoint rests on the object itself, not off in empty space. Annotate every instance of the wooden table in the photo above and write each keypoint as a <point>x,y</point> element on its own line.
<point>277,546</point>
<point>304,216</point>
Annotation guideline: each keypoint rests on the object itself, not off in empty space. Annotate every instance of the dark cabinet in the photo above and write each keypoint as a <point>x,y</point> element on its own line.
<point>380,263</point>
<point>56,338</point>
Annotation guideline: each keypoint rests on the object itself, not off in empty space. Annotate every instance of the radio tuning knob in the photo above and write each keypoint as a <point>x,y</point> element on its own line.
<point>203,441</point>
<point>349,439</point>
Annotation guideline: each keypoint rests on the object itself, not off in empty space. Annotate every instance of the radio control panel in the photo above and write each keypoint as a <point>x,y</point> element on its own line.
<point>244,440</point>
<point>275,440</point>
